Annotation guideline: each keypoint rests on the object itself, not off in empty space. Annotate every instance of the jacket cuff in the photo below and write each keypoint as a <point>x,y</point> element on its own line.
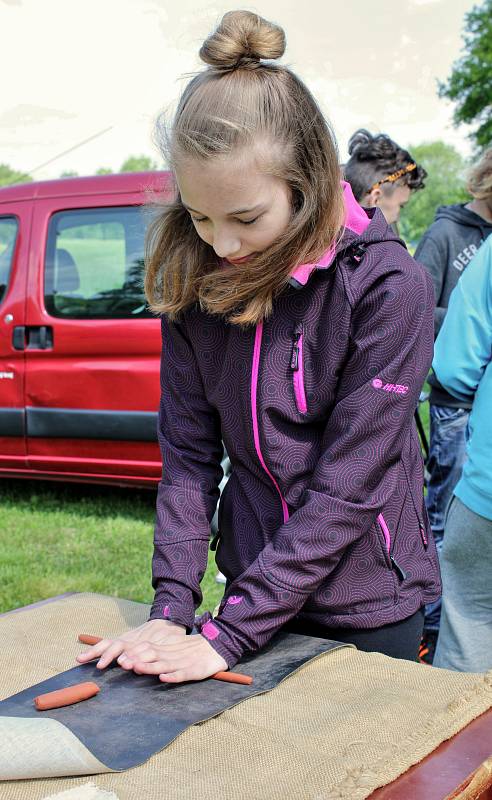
<point>216,635</point>
<point>174,606</point>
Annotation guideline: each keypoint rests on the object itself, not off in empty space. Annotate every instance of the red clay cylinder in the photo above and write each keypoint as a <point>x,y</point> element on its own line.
<point>66,697</point>
<point>86,638</point>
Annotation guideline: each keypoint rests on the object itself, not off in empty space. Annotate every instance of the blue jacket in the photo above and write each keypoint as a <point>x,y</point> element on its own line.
<point>463,364</point>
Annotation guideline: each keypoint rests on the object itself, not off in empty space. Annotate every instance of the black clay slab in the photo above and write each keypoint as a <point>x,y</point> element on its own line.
<point>134,716</point>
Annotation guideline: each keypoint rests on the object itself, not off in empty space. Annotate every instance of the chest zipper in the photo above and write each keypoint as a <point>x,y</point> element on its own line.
<point>254,413</point>
<point>297,367</point>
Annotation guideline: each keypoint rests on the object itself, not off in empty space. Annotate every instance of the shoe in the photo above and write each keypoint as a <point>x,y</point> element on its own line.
<point>428,647</point>
<point>220,578</point>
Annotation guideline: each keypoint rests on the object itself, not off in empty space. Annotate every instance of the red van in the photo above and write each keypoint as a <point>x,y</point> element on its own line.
<point>79,350</point>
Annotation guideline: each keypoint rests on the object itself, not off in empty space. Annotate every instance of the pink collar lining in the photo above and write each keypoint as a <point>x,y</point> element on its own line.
<point>356,220</point>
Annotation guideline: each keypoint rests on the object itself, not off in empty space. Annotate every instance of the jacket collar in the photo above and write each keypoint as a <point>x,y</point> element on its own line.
<point>356,221</point>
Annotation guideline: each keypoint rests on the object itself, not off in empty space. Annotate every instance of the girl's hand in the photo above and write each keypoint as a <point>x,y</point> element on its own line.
<point>154,632</point>
<point>190,658</point>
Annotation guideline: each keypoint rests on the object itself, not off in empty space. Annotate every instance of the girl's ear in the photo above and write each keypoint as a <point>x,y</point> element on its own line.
<point>372,198</point>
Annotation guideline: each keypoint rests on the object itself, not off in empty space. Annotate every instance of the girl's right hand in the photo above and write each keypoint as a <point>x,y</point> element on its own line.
<point>155,631</point>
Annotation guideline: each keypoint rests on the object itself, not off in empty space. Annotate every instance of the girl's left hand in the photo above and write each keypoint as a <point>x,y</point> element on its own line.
<point>191,658</point>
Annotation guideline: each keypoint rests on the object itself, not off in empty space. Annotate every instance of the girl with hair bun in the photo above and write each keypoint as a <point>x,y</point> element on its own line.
<point>297,329</point>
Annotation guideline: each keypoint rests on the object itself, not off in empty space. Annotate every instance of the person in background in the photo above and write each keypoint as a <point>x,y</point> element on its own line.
<point>463,365</point>
<point>381,173</point>
<point>445,250</point>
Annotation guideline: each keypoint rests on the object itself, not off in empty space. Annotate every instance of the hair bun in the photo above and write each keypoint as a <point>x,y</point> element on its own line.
<point>242,40</point>
<point>366,147</point>
<point>359,142</point>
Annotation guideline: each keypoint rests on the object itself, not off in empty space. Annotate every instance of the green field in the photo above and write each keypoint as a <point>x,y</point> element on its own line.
<point>56,539</point>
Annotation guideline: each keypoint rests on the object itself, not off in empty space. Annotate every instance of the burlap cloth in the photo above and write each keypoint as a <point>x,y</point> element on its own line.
<point>341,726</point>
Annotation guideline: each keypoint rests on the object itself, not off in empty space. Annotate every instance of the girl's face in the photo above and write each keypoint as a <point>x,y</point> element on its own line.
<point>390,203</point>
<point>236,208</point>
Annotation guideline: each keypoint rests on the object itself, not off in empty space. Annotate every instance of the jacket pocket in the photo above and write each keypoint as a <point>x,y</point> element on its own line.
<point>220,518</point>
<point>419,514</point>
<point>388,547</point>
<point>384,537</point>
<point>297,367</point>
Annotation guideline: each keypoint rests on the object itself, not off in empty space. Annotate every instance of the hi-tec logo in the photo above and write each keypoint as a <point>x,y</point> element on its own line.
<point>396,388</point>
<point>9,375</point>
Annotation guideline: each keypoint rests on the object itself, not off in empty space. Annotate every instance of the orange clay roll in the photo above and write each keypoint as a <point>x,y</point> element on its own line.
<point>86,638</point>
<point>66,697</point>
<point>233,677</point>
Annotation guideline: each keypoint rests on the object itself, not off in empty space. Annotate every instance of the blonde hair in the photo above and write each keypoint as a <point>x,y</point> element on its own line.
<point>240,100</point>
<point>480,177</point>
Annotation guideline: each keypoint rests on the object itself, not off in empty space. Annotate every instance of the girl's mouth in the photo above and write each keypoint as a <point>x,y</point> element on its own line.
<point>240,260</point>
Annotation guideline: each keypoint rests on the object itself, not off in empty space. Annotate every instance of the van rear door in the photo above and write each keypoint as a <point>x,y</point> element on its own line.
<point>15,224</point>
<point>92,373</point>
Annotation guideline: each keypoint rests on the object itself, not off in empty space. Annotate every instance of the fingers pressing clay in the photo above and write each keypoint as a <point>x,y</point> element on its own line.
<point>229,677</point>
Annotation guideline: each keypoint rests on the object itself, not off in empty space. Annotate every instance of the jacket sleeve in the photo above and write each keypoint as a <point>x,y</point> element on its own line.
<point>432,253</point>
<point>391,345</point>
<point>463,347</point>
<point>190,441</point>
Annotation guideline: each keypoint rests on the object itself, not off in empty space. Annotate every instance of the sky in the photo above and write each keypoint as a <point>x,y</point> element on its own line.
<point>91,77</point>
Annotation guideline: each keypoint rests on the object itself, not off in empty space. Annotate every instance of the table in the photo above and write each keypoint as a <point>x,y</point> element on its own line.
<point>447,767</point>
<point>437,776</point>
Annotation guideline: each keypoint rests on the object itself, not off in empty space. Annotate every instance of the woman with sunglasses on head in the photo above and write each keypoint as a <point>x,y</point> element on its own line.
<point>381,173</point>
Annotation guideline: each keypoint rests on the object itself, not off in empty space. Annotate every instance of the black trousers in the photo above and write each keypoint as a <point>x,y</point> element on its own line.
<point>398,639</point>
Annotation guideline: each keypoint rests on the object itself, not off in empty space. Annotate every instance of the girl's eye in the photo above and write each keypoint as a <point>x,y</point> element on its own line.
<point>241,221</point>
<point>249,221</point>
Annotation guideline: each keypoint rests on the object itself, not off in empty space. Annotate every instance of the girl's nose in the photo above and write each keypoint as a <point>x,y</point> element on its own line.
<point>226,245</point>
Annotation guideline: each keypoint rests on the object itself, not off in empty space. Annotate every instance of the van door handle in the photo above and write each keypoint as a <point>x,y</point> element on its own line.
<point>42,339</point>
<point>32,337</point>
<point>19,337</point>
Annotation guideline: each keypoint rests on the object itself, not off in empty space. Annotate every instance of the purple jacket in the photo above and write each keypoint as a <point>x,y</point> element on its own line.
<point>323,517</point>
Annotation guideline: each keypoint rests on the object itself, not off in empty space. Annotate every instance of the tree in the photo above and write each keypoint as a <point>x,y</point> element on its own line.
<point>444,185</point>
<point>470,82</point>
<point>138,164</point>
<point>8,176</point>
<point>104,171</point>
<point>69,173</point>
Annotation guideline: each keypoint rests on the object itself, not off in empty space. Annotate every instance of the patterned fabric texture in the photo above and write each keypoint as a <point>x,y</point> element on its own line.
<point>323,516</point>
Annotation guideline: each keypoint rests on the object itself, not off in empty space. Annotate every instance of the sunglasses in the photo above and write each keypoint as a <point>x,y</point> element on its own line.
<point>394,176</point>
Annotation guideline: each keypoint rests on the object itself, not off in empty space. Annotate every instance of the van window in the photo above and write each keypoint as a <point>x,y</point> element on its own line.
<point>94,264</point>
<point>8,235</point>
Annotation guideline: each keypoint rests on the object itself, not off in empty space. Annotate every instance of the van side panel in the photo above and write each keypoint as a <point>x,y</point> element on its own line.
<point>14,255</point>
<point>92,384</point>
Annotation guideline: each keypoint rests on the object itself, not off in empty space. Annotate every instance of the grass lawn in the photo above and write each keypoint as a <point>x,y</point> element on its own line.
<point>56,538</point>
